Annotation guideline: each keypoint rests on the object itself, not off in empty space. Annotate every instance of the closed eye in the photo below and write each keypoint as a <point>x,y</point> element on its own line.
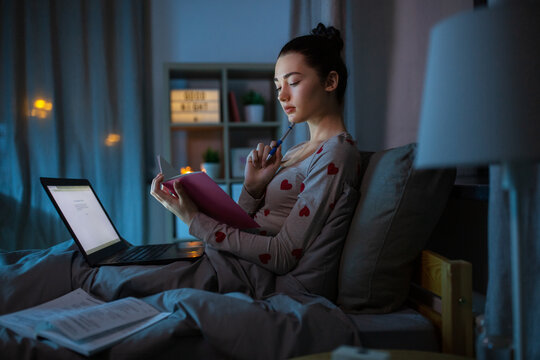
<point>290,84</point>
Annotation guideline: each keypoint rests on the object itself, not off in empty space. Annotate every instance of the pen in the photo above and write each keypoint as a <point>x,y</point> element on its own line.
<point>274,149</point>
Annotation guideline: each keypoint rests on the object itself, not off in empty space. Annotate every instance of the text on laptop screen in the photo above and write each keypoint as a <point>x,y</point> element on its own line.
<point>85,216</point>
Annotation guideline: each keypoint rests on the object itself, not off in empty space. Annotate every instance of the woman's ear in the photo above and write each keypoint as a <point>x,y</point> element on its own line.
<point>332,81</point>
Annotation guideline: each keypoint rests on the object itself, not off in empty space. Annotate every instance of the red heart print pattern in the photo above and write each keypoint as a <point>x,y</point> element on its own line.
<point>302,187</point>
<point>265,258</point>
<point>220,236</point>
<point>262,232</point>
<point>304,211</point>
<point>285,185</point>
<point>332,206</point>
<point>266,212</point>
<point>319,151</point>
<point>332,169</point>
<point>297,253</point>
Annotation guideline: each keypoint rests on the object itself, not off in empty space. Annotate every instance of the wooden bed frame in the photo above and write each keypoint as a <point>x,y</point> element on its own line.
<point>442,291</point>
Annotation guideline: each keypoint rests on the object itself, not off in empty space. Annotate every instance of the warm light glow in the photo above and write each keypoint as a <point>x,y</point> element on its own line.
<point>41,108</point>
<point>42,114</point>
<point>185,170</point>
<point>112,139</point>
<point>39,104</point>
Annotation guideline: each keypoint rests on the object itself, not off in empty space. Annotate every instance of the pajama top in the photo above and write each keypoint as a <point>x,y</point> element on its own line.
<point>305,212</point>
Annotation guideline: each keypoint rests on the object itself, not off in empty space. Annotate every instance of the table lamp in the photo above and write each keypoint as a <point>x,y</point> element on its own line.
<point>481,106</point>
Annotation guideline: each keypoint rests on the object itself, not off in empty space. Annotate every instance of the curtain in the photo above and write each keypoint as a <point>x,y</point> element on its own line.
<point>73,103</point>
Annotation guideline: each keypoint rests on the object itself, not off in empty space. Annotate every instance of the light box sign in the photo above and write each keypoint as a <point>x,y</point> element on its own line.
<point>195,106</point>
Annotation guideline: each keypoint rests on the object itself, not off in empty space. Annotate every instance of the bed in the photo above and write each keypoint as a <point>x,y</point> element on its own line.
<point>217,314</point>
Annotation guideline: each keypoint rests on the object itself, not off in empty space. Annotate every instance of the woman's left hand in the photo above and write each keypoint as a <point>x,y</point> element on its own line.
<point>180,205</point>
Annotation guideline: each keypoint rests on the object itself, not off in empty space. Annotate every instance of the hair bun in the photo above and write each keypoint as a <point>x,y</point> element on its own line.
<point>330,33</point>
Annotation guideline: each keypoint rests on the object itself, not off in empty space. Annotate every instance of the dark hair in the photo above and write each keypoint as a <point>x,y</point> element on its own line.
<point>322,51</point>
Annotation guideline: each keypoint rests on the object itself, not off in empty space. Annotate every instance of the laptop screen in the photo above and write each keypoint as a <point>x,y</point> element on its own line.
<point>85,216</point>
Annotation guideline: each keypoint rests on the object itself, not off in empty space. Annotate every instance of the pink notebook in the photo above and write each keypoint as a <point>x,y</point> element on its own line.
<point>209,197</point>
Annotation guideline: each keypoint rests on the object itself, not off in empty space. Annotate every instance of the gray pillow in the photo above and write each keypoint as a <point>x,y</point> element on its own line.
<point>397,211</point>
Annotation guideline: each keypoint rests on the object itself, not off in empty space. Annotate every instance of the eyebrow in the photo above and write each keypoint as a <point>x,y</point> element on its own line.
<point>288,75</point>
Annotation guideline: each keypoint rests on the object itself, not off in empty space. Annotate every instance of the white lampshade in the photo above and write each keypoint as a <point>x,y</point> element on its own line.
<point>481,101</point>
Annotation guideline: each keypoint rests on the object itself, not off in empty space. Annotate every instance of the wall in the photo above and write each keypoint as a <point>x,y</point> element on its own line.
<point>209,31</point>
<point>412,22</point>
<point>388,48</point>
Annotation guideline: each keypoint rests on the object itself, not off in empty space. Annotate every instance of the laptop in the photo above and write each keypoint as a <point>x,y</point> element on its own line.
<point>95,234</point>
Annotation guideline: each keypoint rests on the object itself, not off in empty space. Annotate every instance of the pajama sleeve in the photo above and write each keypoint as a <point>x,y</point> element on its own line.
<point>331,170</point>
<point>248,202</point>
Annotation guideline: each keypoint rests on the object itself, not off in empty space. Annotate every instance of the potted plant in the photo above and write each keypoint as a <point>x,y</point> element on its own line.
<point>210,163</point>
<point>253,107</point>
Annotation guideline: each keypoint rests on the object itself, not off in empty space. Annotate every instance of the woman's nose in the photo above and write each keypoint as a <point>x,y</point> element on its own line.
<point>283,94</point>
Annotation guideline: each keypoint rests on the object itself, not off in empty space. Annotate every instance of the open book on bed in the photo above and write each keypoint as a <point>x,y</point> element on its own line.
<point>207,195</point>
<point>83,323</point>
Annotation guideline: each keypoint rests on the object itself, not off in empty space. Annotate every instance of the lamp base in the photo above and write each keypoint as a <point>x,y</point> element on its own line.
<point>517,180</point>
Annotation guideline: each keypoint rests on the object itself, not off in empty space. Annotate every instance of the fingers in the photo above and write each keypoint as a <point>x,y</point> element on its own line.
<point>260,152</point>
<point>255,157</point>
<point>156,184</point>
<point>266,151</point>
<point>278,154</point>
<point>158,192</point>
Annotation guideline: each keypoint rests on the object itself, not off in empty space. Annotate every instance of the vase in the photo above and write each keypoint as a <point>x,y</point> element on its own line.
<point>254,113</point>
<point>211,169</point>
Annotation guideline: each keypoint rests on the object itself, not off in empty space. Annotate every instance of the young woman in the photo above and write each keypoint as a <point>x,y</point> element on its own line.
<point>303,200</point>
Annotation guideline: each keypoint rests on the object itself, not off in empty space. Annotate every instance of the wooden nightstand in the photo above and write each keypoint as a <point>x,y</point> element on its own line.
<point>397,355</point>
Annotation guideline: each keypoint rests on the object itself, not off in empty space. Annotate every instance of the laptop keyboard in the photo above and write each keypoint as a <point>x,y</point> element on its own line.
<point>143,252</point>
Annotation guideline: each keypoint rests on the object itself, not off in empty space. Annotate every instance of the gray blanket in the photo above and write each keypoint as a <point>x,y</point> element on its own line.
<point>233,313</point>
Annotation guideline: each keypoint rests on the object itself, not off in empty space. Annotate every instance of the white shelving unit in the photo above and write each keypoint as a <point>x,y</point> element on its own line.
<point>184,143</point>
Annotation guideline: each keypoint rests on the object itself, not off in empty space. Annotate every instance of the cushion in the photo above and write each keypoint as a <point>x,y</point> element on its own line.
<point>398,209</point>
<point>402,329</point>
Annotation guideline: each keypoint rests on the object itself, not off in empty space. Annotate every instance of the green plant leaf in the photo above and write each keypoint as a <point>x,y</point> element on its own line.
<point>253,98</point>
<point>211,156</point>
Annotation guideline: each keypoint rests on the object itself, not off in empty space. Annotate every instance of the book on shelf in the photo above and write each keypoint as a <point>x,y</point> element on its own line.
<point>234,113</point>
<point>82,323</point>
<point>195,106</point>
<point>207,195</point>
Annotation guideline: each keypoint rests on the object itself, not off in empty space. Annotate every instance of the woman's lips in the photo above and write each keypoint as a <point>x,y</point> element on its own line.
<point>289,109</point>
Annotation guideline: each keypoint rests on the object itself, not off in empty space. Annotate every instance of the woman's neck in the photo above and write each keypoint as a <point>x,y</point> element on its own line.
<point>326,127</point>
<point>320,130</point>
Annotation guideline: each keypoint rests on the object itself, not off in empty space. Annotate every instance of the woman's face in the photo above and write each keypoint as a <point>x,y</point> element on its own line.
<point>299,89</point>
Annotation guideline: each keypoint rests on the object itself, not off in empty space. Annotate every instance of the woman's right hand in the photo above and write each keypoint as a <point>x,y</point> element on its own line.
<point>258,172</point>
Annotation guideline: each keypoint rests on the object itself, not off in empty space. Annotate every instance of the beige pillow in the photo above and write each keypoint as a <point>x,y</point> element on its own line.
<point>397,211</point>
